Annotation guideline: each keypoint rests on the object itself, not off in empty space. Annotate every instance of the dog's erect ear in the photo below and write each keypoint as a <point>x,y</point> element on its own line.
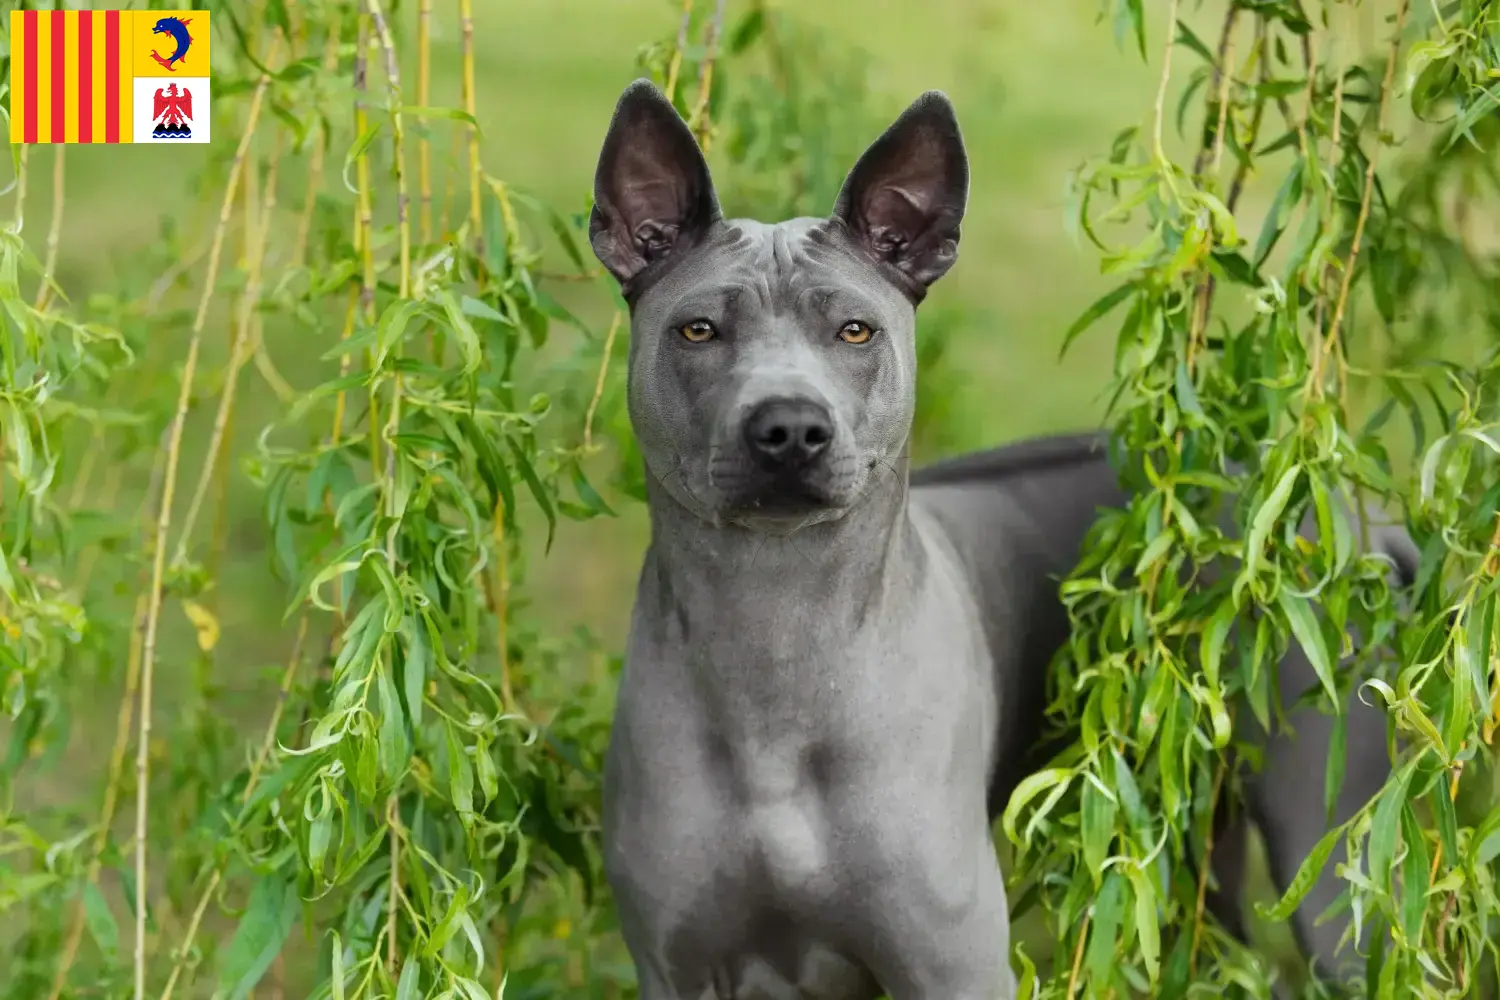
<point>652,192</point>
<point>903,201</point>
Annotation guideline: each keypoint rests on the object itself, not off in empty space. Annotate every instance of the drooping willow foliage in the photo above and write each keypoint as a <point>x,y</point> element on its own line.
<point>406,789</point>
<point>1281,362</point>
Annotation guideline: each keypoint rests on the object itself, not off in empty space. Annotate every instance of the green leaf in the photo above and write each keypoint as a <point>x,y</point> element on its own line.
<point>469,346</point>
<point>1484,845</point>
<point>537,489</point>
<point>486,772</point>
<point>319,836</point>
<point>1096,312</point>
<point>1098,819</point>
<point>592,501</point>
<point>482,310</point>
<point>1276,215</point>
<point>1447,822</point>
<point>1268,515</point>
<point>1473,110</point>
<point>336,972</point>
<point>1174,734</point>
<point>564,234</point>
<point>357,150</point>
<point>1109,907</point>
<point>1415,877</point>
<point>1333,771</point>
<point>1130,799</point>
<point>268,919</point>
<point>415,666</point>
<point>1029,788</point>
<point>392,326</point>
<point>1306,877</point>
<point>1385,826</point>
<point>460,774</point>
<point>1187,395</point>
<point>1304,625</point>
<point>1026,980</point>
<point>394,750</point>
<point>7,580</point>
<point>1187,38</point>
<point>1477,649</point>
<point>1211,647</point>
<point>1148,929</point>
<point>411,977</point>
<point>101,920</point>
<point>1130,17</point>
<point>454,114</point>
<point>747,30</point>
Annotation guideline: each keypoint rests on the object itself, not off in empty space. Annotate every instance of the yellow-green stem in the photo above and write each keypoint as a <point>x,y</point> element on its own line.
<point>257,237</point>
<point>701,120</point>
<point>424,99</point>
<point>674,67</point>
<point>403,226</point>
<point>163,528</point>
<point>1372,161</point>
<point>466,19</point>
<point>54,231</point>
<point>320,146</point>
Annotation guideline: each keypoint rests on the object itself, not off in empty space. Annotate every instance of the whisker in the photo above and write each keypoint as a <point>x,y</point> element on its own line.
<point>755,556</point>
<point>791,540</point>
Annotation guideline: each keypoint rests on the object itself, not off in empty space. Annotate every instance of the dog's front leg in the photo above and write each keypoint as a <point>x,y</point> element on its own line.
<point>944,933</point>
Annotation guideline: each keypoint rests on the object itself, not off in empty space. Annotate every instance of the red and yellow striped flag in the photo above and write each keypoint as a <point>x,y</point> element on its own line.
<point>108,76</point>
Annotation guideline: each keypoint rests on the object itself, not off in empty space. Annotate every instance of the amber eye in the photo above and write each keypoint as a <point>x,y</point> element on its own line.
<point>856,333</point>
<point>698,331</point>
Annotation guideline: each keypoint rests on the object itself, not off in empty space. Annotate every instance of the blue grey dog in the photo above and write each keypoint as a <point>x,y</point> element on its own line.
<point>836,668</point>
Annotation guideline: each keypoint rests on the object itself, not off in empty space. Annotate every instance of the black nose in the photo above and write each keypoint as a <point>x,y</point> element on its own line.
<point>787,433</point>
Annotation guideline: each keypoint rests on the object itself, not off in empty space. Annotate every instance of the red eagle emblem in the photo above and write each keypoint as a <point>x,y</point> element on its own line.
<point>172,111</point>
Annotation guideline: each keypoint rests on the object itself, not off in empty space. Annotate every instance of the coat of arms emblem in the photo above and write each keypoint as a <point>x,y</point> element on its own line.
<point>172,111</point>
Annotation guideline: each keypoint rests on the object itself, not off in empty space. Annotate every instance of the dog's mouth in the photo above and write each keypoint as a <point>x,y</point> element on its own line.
<point>781,496</point>
<point>748,494</point>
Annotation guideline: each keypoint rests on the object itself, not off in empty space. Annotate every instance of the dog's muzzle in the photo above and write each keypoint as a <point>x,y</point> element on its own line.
<point>786,436</point>
<point>787,446</point>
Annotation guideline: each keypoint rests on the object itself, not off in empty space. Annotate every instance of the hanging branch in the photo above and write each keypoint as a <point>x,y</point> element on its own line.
<point>1164,711</point>
<point>163,527</point>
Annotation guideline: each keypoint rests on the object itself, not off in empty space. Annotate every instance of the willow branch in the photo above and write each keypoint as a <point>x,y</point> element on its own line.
<point>163,528</point>
<point>701,119</point>
<point>54,230</point>
<point>466,18</point>
<point>1371,162</point>
<point>674,67</point>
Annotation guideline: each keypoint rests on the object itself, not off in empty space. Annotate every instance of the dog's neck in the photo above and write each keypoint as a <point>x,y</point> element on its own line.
<point>718,580</point>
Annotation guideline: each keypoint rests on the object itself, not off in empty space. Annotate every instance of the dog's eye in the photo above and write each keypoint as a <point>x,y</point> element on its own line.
<point>698,331</point>
<point>856,333</point>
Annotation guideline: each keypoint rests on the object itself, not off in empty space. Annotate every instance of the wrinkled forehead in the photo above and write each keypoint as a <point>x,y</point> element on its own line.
<point>797,267</point>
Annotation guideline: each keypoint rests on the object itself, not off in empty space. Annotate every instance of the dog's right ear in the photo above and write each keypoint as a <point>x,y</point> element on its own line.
<point>652,192</point>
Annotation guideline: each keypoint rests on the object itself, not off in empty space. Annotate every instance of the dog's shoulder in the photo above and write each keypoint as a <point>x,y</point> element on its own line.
<point>1031,500</point>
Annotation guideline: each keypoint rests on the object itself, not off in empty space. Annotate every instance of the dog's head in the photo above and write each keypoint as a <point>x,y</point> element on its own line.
<point>773,367</point>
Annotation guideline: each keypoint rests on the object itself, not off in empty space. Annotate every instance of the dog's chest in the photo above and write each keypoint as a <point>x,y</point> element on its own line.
<point>769,769</point>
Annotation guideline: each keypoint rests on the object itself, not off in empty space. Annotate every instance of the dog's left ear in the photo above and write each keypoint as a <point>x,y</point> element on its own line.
<point>652,192</point>
<point>903,201</point>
